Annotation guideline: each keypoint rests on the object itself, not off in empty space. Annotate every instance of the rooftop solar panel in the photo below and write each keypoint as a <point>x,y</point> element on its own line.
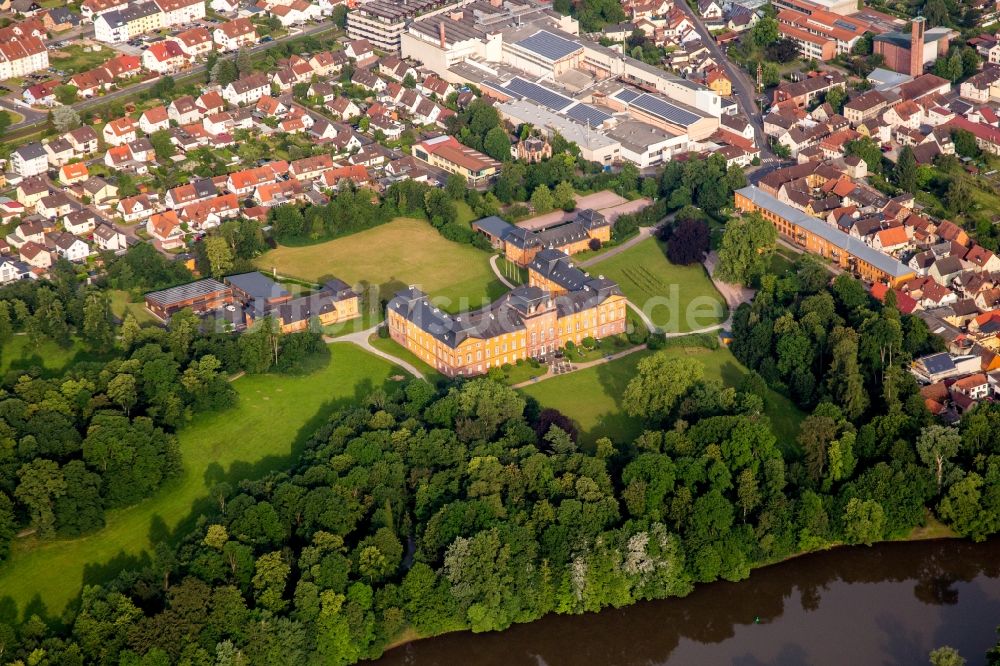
<point>663,109</point>
<point>627,96</point>
<point>587,114</point>
<point>537,93</point>
<point>549,46</point>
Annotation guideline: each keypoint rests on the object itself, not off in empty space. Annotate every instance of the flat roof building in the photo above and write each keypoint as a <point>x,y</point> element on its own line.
<point>201,296</point>
<point>382,22</point>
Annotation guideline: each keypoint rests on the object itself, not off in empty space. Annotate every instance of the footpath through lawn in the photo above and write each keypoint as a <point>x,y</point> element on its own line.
<point>275,416</point>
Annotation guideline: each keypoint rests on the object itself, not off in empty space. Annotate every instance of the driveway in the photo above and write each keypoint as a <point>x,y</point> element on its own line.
<point>607,202</point>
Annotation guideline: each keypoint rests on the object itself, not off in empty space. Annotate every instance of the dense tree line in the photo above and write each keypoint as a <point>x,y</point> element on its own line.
<point>99,434</point>
<point>429,509</point>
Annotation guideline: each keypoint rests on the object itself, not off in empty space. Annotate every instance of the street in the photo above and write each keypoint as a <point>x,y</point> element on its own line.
<point>744,92</point>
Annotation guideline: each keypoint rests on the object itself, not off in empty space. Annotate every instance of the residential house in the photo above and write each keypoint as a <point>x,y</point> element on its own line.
<point>359,50</point>
<point>41,94</point>
<point>447,153</point>
<point>235,34</point>
<point>58,152</point>
<point>109,238</point>
<point>83,140</point>
<point>100,191</point>
<point>197,190</point>
<point>70,174</point>
<point>247,90</point>
<point>30,190</point>
<point>154,120</point>
<point>343,108</point>
<point>134,209</point>
<point>183,110</point>
<point>80,222</point>
<point>195,43</point>
<point>165,228</point>
<point>29,160</point>
<point>12,270</point>
<point>164,57</point>
<point>35,255</point>
<point>69,247</point>
<point>120,131</point>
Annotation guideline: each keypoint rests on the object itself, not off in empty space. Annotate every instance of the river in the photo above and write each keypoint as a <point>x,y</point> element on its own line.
<point>889,604</point>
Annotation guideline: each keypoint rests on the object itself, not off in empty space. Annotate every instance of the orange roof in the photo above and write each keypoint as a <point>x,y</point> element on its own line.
<point>73,171</point>
<point>237,27</point>
<point>156,115</point>
<point>971,381</point>
<point>211,100</point>
<point>119,153</point>
<point>122,126</point>
<point>163,224</point>
<point>893,236</point>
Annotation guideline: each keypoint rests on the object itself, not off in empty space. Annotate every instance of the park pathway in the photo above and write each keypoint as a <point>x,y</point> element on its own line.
<point>360,338</point>
<point>581,366</point>
<point>500,276</point>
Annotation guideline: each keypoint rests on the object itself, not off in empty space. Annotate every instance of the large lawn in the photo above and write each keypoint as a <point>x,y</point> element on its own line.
<point>677,298</point>
<point>274,418</point>
<point>393,256</point>
<point>592,397</point>
<point>20,354</point>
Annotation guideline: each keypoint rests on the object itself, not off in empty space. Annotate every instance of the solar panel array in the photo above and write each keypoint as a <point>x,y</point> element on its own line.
<point>549,46</point>
<point>588,115</point>
<point>626,95</point>
<point>661,108</point>
<point>536,93</point>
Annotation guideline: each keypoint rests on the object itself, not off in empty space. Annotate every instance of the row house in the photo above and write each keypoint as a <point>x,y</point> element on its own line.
<point>243,183</point>
<point>200,189</point>
<point>83,140</point>
<point>210,213</point>
<point>310,168</point>
<point>121,25</point>
<point>296,13</point>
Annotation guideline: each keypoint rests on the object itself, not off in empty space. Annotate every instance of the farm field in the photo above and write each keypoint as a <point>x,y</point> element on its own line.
<point>592,396</point>
<point>400,253</point>
<point>274,417</point>
<point>678,299</point>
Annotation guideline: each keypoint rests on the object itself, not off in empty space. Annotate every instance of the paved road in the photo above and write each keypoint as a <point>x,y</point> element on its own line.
<point>133,90</point>
<point>741,82</point>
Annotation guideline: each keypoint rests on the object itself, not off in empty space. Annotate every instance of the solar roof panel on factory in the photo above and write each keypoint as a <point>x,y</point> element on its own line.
<point>626,95</point>
<point>537,93</point>
<point>664,109</point>
<point>549,46</point>
<point>587,114</point>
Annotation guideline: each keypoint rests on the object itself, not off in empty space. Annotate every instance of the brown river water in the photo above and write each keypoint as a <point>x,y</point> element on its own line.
<point>889,604</point>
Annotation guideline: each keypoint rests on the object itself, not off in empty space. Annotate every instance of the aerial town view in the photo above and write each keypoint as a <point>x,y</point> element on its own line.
<point>499,332</point>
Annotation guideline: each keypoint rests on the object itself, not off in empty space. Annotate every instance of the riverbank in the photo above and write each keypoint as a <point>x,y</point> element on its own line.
<point>891,603</point>
<point>933,531</point>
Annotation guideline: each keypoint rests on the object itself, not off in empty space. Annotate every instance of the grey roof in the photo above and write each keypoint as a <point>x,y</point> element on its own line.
<point>30,151</point>
<point>549,46</point>
<point>547,98</point>
<point>257,285</point>
<point>199,288</point>
<point>661,108</point>
<point>838,238</point>
<point>937,363</point>
<point>493,226</point>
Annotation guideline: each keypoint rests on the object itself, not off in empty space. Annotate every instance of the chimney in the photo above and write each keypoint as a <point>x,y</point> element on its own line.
<point>917,46</point>
<point>441,33</point>
<point>496,3</point>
